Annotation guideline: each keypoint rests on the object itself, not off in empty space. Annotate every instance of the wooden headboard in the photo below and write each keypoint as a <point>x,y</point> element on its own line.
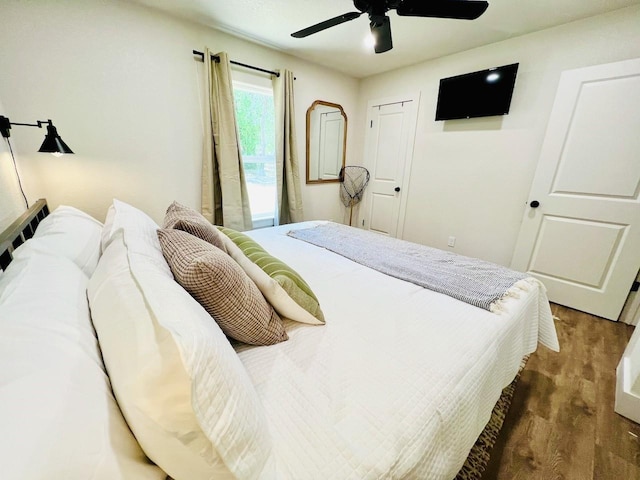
<point>20,231</point>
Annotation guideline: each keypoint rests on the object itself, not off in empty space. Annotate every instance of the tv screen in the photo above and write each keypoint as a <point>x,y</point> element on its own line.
<point>478,94</point>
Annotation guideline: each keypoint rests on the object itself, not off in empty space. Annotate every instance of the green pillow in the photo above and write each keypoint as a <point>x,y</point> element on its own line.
<point>297,301</point>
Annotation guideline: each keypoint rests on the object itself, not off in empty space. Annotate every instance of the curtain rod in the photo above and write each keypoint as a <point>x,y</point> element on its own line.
<point>217,59</point>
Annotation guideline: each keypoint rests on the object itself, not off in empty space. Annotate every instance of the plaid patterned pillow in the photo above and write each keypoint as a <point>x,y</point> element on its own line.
<point>217,282</point>
<point>188,220</point>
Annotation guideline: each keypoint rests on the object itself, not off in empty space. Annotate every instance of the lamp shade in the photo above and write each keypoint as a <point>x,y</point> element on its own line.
<point>53,143</point>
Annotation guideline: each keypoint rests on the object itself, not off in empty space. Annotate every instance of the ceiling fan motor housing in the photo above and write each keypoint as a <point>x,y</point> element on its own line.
<point>376,7</point>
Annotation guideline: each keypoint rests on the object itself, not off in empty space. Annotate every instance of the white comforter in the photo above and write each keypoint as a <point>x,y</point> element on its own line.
<point>400,381</point>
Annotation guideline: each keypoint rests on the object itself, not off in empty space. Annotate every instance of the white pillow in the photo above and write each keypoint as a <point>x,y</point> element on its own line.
<point>180,384</point>
<point>142,234</point>
<point>107,228</point>
<point>69,232</point>
<point>58,415</point>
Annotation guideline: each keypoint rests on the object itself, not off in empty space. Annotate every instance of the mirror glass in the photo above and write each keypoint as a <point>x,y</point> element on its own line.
<point>326,141</point>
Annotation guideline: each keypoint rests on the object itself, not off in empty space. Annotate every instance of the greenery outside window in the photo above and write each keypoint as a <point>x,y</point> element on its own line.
<point>255,116</point>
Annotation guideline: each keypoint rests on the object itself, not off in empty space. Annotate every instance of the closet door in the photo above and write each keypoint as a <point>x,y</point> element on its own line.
<point>391,127</point>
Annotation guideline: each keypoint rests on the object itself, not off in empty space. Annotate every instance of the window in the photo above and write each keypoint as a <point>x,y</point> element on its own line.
<point>255,115</point>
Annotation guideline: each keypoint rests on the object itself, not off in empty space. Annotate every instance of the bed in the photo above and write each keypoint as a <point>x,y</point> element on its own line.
<point>392,380</point>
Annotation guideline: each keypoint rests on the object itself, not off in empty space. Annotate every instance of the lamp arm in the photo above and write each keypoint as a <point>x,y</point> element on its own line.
<point>39,124</point>
<point>5,125</point>
<point>27,124</point>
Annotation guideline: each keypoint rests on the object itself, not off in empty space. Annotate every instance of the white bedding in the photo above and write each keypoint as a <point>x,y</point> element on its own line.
<point>400,381</point>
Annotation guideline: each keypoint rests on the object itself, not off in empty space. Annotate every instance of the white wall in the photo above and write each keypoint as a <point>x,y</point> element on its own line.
<point>11,202</point>
<point>121,85</point>
<point>471,178</point>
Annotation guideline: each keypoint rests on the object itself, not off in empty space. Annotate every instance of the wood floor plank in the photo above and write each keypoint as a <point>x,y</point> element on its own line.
<point>615,433</point>
<point>609,466</point>
<point>561,424</point>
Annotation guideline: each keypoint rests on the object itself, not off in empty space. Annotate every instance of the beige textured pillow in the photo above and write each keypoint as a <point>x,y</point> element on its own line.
<point>188,220</point>
<point>222,288</point>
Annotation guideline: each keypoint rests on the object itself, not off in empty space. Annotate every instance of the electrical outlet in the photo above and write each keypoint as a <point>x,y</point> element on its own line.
<point>452,241</point>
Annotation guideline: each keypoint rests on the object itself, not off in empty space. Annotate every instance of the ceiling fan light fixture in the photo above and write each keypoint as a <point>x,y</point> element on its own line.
<point>381,32</point>
<point>369,41</point>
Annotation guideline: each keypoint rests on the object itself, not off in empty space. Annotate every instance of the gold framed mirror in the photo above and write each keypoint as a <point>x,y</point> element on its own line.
<point>326,141</point>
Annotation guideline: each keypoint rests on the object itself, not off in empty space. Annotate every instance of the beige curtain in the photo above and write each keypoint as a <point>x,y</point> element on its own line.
<point>225,200</point>
<point>289,198</point>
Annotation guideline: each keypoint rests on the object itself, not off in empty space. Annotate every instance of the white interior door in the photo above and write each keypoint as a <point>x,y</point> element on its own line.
<point>583,240</point>
<point>388,155</point>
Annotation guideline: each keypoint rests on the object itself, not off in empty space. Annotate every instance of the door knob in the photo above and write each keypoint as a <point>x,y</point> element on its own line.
<point>397,189</point>
<point>534,204</point>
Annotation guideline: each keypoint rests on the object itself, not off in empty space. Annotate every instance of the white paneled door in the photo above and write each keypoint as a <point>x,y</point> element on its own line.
<point>389,140</point>
<point>580,233</point>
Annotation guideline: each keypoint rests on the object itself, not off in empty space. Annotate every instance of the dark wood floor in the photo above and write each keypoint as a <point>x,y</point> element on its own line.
<point>561,424</point>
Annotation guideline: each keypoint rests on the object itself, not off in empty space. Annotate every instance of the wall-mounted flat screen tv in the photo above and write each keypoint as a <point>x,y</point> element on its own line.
<point>478,94</point>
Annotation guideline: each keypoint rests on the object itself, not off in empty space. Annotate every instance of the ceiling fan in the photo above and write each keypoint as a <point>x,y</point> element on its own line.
<point>379,22</point>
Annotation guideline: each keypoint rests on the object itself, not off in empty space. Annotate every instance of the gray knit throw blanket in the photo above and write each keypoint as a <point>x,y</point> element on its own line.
<point>470,280</point>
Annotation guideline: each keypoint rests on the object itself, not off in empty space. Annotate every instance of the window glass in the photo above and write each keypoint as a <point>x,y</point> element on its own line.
<point>255,115</point>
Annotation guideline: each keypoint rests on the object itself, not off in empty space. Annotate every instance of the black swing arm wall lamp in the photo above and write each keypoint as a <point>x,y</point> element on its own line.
<point>52,143</point>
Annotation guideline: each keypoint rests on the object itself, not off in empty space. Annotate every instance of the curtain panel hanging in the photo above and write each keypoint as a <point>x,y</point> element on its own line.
<point>225,200</point>
<point>289,198</point>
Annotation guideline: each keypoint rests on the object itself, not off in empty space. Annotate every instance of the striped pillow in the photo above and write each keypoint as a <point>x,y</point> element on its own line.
<point>222,288</point>
<point>188,220</point>
<point>281,285</point>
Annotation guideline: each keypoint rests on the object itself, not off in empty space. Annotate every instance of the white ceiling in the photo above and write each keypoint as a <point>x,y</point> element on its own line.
<point>271,22</point>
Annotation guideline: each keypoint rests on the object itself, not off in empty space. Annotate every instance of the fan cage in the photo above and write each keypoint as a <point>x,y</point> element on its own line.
<point>353,181</point>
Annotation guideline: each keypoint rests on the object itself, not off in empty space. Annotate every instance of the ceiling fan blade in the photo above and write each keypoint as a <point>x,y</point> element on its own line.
<point>460,9</point>
<point>381,31</point>
<point>332,22</point>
